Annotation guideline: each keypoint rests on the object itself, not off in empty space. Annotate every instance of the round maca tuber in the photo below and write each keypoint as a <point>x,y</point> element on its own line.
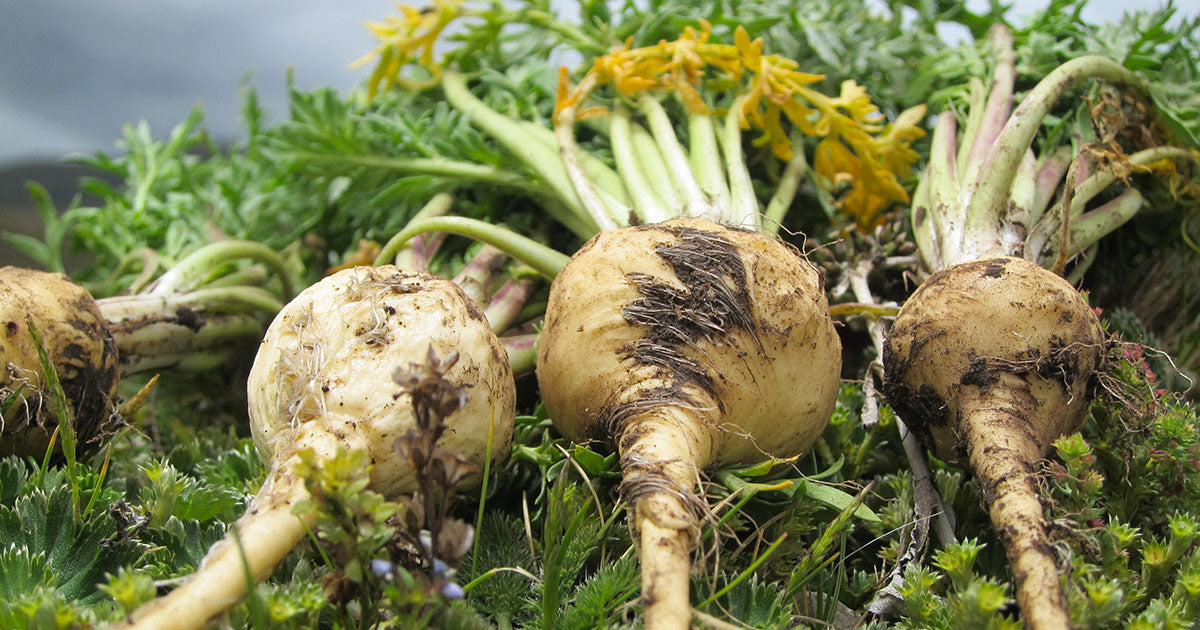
<point>687,345</point>
<point>323,380</point>
<point>78,344</point>
<point>989,362</point>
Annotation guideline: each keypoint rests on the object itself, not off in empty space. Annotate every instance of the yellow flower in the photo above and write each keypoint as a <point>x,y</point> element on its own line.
<point>404,39</point>
<point>858,151</point>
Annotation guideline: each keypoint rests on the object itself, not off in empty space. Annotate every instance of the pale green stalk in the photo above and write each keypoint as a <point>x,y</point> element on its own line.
<point>696,203</point>
<point>605,177</point>
<point>197,266</point>
<point>646,204</point>
<point>989,194</point>
<point>541,258</point>
<point>656,169</point>
<point>1049,227</point>
<point>536,155</point>
<point>944,203</point>
<point>922,216</point>
<point>785,190</point>
<point>976,97</point>
<point>743,210</point>
<point>702,141</point>
<point>1089,228</point>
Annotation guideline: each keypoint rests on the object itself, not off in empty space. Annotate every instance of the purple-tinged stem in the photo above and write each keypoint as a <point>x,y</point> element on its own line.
<point>1049,174</point>
<point>989,193</point>
<point>522,352</point>
<point>943,189</point>
<point>508,302</point>
<point>480,272</point>
<point>419,253</point>
<point>999,102</point>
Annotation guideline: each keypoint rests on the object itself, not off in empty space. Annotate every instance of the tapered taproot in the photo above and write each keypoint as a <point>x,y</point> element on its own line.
<point>686,345</point>
<point>968,324</point>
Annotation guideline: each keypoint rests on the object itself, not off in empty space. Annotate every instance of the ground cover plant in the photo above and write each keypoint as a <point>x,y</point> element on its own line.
<point>835,531</point>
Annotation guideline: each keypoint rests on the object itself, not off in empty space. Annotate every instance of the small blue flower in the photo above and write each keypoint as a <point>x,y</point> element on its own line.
<point>383,569</point>
<point>453,591</point>
<point>439,567</point>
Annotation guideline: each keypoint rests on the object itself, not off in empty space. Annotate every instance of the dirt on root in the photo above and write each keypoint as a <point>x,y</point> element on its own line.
<point>709,301</point>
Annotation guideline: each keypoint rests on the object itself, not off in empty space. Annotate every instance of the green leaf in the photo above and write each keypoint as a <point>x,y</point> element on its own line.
<point>29,246</point>
<point>595,464</point>
<point>13,473</point>
<point>835,499</point>
<point>594,602</point>
<point>43,525</point>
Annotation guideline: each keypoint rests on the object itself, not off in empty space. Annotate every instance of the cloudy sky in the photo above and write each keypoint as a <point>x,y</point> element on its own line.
<point>75,71</point>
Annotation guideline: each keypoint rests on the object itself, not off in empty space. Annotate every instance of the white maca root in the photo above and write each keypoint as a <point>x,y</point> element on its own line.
<point>686,345</point>
<point>323,380</point>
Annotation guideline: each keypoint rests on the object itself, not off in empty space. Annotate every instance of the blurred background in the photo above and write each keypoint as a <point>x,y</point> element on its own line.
<point>74,72</point>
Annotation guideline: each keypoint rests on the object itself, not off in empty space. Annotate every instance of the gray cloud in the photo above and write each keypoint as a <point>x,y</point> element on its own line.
<point>75,71</point>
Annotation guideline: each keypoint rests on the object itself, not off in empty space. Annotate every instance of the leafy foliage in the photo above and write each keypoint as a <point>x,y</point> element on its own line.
<point>801,543</point>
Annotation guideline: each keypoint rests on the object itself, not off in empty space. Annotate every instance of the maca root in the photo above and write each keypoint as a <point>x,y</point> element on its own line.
<point>681,344</point>
<point>989,362</point>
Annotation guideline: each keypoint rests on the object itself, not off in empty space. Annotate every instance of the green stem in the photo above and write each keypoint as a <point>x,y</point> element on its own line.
<point>1094,225</point>
<point>976,100</point>
<point>251,276</point>
<point>604,176</point>
<point>1048,226</point>
<point>705,157</point>
<point>999,102</point>
<point>785,190</point>
<point>193,269</point>
<point>541,258</point>
<point>543,160</point>
<point>944,206</point>
<point>1098,181</point>
<point>569,32</point>
<point>430,166</point>
<point>676,159</point>
<point>645,201</point>
<point>989,195</point>
<point>742,209</point>
<point>120,310</point>
<point>656,170</point>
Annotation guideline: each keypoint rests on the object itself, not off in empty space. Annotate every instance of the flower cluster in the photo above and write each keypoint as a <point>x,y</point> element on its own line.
<point>406,39</point>
<point>858,149</point>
